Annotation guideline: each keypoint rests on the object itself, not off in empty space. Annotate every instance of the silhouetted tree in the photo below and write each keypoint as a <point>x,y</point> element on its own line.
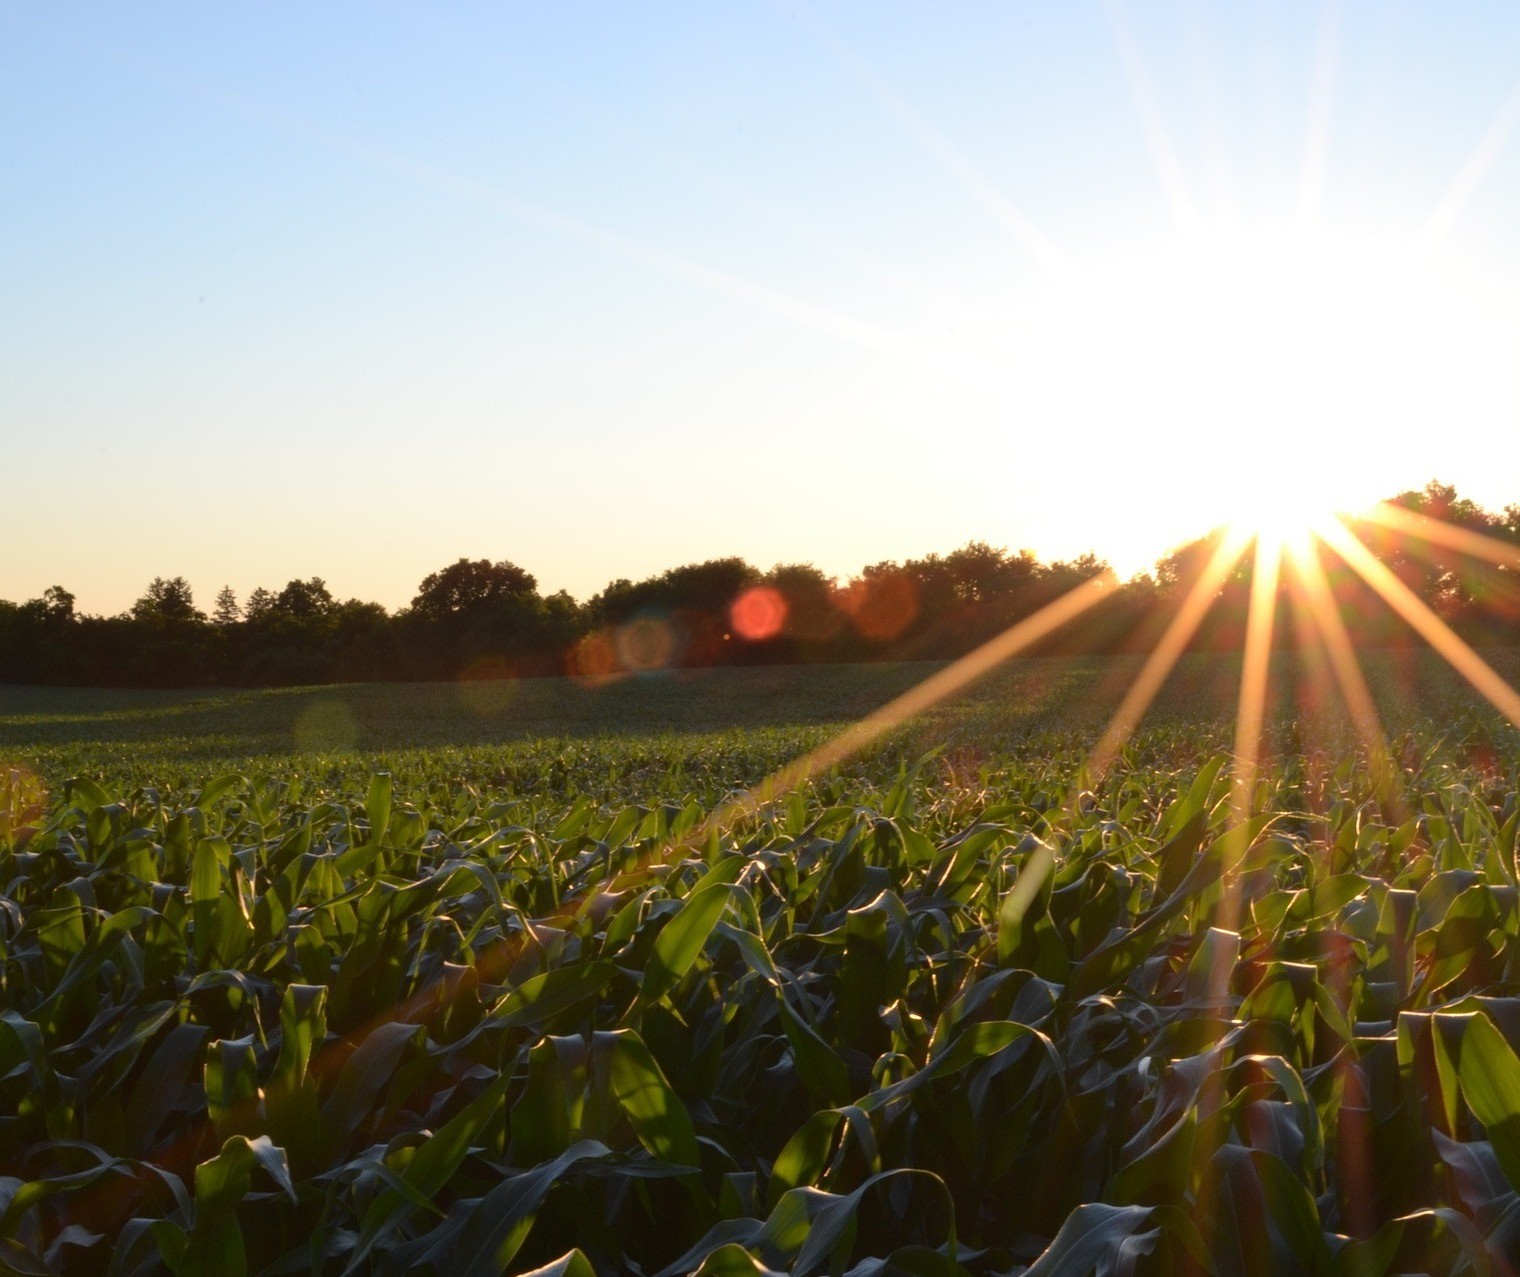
<point>981,573</point>
<point>479,619</point>
<point>170,647</point>
<point>227,611</point>
<point>468,584</point>
<point>708,588</point>
<point>305,600</point>
<point>812,606</point>
<point>58,603</point>
<point>790,613</point>
<point>167,603</point>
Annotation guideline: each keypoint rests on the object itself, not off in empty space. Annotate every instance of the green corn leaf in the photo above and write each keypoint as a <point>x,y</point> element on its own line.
<point>821,1070</point>
<point>484,1235</point>
<point>219,788</point>
<point>216,1241</point>
<point>303,1026</point>
<point>377,806</point>
<point>574,1264</point>
<point>363,1075</point>
<point>552,992</point>
<point>732,1260</point>
<point>1490,1076</point>
<point>658,1116</point>
<point>429,1169</point>
<point>1094,1237</point>
<point>680,941</point>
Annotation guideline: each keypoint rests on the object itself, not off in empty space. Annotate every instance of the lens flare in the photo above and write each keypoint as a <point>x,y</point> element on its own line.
<point>758,614</point>
<point>881,606</point>
<point>645,644</point>
<point>593,662</point>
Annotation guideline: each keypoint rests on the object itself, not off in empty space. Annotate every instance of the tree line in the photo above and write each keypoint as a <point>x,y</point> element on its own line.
<point>484,619</point>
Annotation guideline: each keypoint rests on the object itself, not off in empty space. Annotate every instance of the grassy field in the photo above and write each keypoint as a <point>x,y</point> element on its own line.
<point>55,729</point>
<point>468,980</point>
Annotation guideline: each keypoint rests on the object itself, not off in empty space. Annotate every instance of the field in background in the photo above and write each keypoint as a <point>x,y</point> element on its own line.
<point>776,709</point>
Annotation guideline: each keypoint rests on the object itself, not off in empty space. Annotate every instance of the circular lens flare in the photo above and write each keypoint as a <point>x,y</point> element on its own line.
<point>759,613</point>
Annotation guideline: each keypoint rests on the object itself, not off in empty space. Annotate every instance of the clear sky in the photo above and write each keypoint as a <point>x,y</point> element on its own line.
<point>352,290</point>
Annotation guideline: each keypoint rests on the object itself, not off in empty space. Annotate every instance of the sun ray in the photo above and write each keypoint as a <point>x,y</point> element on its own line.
<point>1313,598</point>
<point>1472,173</point>
<point>1309,578</point>
<point>1424,528</point>
<point>1142,691</point>
<point>1314,685</point>
<point>684,161</point>
<point>915,700</point>
<point>1250,714</point>
<point>1158,141</point>
<point>1181,628</point>
<point>1426,623</point>
<point>1311,184</point>
<point>1312,584</point>
<point>1040,247</point>
<point>1250,718</point>
<point>735,288</point>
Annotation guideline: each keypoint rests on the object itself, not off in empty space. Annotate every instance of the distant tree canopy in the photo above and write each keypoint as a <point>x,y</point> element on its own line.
<point>167,603</point>
<point>1459,588</point>
<point>708,587</point>
<point>478,618</point>
<point>468,585</point>
<point>227,609</point>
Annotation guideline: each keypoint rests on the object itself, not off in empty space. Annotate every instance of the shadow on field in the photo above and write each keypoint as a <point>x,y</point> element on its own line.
<point>1026,696</point>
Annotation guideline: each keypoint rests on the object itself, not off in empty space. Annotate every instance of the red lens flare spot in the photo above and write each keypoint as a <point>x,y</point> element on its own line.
<point>645,645</point>
<point>759,613</point>
<point>881,606</point>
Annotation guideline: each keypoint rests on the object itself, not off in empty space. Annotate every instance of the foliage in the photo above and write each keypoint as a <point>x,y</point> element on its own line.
<point>479,620</point>
<point>466,585</point>
<point>489,1011</point>
<point>165,603</point>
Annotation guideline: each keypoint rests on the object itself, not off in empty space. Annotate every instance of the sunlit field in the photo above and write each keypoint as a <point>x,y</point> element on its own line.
<point>471,979</point>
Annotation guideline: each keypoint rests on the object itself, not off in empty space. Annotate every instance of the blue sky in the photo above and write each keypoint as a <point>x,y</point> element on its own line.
<point>355,290</point>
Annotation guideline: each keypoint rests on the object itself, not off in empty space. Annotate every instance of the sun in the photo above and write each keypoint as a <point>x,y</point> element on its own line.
<point>1276,486</point>
<point>1286,517</point>
<point>1266,373</point>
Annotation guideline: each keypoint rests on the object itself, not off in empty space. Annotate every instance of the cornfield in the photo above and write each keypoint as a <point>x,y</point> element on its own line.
<point>495,1016</point>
